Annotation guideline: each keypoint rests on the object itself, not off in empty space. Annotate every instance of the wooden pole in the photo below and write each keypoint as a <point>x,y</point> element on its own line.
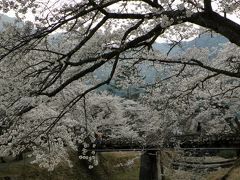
<point>160,170</point>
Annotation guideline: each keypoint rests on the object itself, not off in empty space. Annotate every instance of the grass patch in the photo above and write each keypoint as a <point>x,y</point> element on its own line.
<point>216,175</point>
<point>112,166</point>
<point>23,170</point>
<point>118,166</point>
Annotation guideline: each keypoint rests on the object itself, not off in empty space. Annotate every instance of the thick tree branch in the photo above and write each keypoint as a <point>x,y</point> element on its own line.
<point>219,24</point>
<point>153,3</point>
<point>73,78</point>
<point>208,6</point>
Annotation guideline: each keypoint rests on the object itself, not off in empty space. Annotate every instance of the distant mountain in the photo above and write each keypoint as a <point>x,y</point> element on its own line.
<point>206,40</point>
<point>5,19</point>
<point>211,41</point>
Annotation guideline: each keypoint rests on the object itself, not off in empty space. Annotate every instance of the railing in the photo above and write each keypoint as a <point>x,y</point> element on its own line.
<point>181,141</point>
<point>186,165</point>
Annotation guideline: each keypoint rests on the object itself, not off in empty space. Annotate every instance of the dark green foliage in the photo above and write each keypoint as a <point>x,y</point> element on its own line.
<point>227,153</point>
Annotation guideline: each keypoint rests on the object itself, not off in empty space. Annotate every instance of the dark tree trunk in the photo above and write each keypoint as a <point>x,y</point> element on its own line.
<point>19,157</point>
<point>2,160</point>
<point>238,153</point>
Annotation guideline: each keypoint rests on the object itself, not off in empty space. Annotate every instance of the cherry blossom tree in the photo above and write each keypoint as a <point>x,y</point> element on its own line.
<point>186,96</point>
<point>48,65</point>
<point>41,124</point>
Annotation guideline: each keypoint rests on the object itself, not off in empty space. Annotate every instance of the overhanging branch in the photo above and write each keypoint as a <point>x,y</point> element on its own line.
<point>219,24</point>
